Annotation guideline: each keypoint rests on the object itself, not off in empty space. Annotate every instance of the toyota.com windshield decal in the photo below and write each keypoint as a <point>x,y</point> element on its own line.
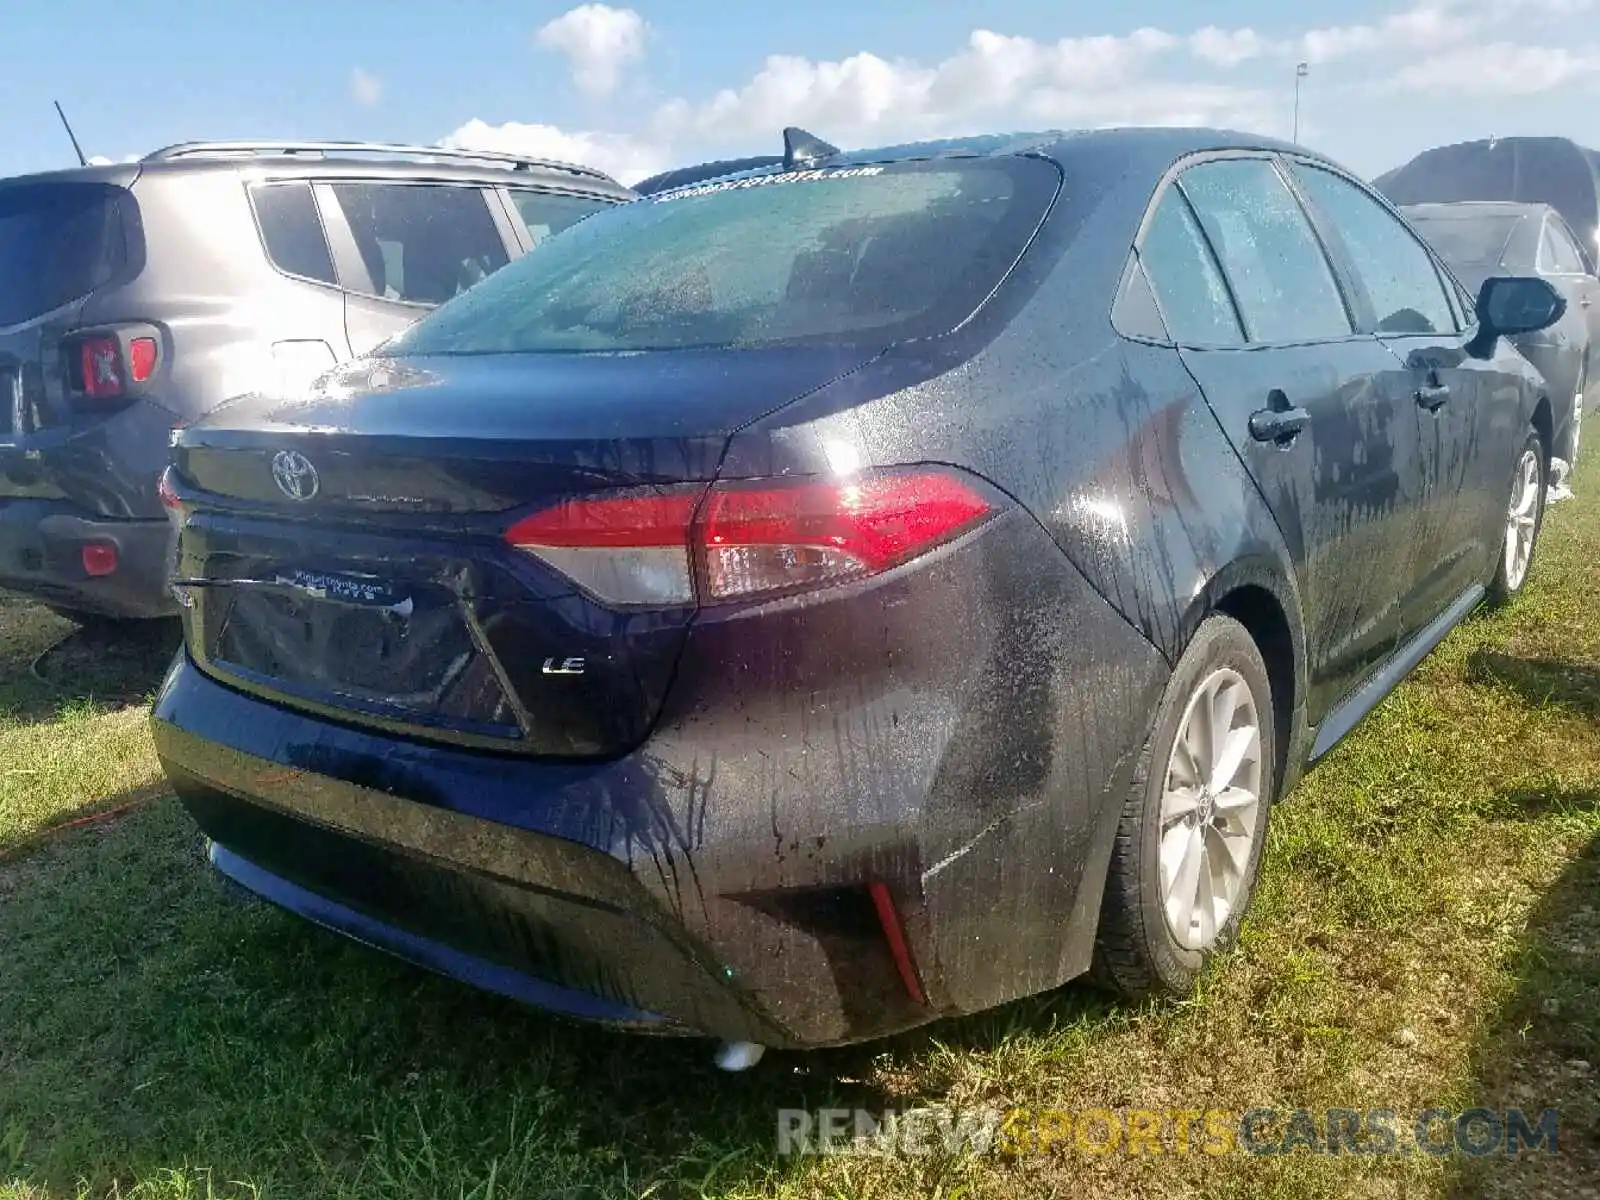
<point>736,185</point>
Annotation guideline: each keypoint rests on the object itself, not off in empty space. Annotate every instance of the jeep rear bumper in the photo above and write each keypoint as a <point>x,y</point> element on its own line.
<point>42,546</point>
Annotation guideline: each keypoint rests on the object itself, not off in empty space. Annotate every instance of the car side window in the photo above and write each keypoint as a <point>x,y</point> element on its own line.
<point>546,213</point>
<point>1558,254</point>
<point>1398,273</point>
<point>1269,253</point>
<point>291,230</point>
<point>421,243</point>
<point>1189,287</point>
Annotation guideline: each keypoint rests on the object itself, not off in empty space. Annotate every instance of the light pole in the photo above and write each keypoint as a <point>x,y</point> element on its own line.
<point>1300,72</point>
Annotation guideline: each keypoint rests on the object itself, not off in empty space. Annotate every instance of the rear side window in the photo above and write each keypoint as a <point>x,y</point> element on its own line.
<point>1558,253</point>
<point>1279,274</point>
<point>292,231</point>
<point>1470,244</point>
<point>869,253</point>
<point>545,213</point>
<point>421,243</point>
<point>58,243</point>
<point>1189,288</point>
<point>1397,273</point>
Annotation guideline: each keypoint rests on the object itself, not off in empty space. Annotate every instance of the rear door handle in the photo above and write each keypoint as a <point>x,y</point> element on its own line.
<point>1280,425</point>
<point>1433,395</point>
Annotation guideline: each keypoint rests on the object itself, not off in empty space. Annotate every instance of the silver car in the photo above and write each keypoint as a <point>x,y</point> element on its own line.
<point>1480,239</point>
<point>136,298</point>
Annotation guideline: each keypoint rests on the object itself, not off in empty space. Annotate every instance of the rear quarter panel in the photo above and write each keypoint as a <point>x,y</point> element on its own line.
<point>1142,516</point>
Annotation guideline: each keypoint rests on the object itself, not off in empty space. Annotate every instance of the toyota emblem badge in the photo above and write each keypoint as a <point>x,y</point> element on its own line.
<point>295,476</point>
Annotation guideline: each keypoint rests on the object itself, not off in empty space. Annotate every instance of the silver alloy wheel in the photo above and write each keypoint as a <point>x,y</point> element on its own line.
<point>1210,808</point>
<point>1521,518</point>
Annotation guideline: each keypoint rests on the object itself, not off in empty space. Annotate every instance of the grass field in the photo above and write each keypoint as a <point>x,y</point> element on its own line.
<point>1427,934</point>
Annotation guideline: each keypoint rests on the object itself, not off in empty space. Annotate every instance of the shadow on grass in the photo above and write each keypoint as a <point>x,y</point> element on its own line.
<point>1542,1050</point>
<point>1539,681</point>
<point>47,663</point>
<point>157,1019</point>
<point>110,664</point>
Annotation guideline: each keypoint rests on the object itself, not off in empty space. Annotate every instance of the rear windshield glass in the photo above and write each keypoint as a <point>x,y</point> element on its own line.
<point>1468,241</point>
<point>58,242</point>
<point>870,253</point>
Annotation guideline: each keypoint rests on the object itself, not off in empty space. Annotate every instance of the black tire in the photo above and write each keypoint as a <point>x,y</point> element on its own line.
<point>1505,586</point>
<point>1137,953</point>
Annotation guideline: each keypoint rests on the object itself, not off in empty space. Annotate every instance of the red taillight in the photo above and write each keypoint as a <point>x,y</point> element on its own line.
<point>99,558</point>
<point>142,359</point>
<point>100,360</point>
<point>739,541</point>
<point>760,539</point>
<point>114,363</point>
<point>631,549</point>
<point>638,519</point>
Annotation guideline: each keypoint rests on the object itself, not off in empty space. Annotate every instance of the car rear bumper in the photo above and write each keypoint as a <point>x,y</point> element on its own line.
<point>41,555</point>
<point>544,919</point>
<point>428,952</point>
<point>853,816</point>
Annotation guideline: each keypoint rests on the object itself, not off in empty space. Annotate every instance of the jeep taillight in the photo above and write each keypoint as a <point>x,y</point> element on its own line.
<point>100,367</point>
<point>114,363</point>
<point>142,353</point>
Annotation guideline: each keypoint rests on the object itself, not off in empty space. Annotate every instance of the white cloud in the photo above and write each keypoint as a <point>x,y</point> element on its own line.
<point>996,81</point>
<point>1498,69</point>
<point>366,89</point>
<point>1155,103</point>
<point>99,160</point>
<point>864,96</point>
<point>1434,26</point>
<point>598,41</point>
<point>1427,26</point>
<point>1227,47</point>
<point>1545,8</point>
<point>625,158</point>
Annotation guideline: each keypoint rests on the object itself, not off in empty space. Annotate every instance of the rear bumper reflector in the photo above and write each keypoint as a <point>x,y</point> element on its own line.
<point>894,934</point>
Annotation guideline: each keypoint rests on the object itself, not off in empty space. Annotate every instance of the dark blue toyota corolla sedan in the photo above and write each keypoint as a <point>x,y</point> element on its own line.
<point>802,605</point>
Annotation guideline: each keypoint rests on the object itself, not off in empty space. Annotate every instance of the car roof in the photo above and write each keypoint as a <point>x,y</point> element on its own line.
<point>1465,210</point>
<point>1146,150</point>
<point>1147,144</point>
<point>314,160</point>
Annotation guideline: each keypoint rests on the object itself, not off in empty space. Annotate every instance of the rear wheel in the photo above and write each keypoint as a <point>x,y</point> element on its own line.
<point>1524,518</point>
<point>1194,822</point>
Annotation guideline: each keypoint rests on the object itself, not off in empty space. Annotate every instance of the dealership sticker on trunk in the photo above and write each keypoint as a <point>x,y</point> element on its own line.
<point>366,590</point>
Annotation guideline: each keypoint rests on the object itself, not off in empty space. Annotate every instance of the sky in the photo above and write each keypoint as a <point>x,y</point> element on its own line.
<point>637,88</point>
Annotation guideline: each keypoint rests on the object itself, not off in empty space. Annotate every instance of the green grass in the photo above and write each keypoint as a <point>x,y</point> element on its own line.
<point>1427,933</point>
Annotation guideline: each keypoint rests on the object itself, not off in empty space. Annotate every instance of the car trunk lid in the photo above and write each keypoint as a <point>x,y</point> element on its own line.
<point>346,552</point>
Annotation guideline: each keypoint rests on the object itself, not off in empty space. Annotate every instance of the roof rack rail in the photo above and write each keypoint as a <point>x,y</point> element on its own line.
<point>291,149</point>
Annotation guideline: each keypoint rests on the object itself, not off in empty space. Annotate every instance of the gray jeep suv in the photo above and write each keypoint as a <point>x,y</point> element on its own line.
<point>135,298</point>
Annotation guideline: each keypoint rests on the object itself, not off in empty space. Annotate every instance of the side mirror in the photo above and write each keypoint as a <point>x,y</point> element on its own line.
<point>1512,305</point>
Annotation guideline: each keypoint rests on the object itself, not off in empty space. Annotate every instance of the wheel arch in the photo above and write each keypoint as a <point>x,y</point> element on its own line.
<point>1255,593</point>
<point>1544,421</point>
